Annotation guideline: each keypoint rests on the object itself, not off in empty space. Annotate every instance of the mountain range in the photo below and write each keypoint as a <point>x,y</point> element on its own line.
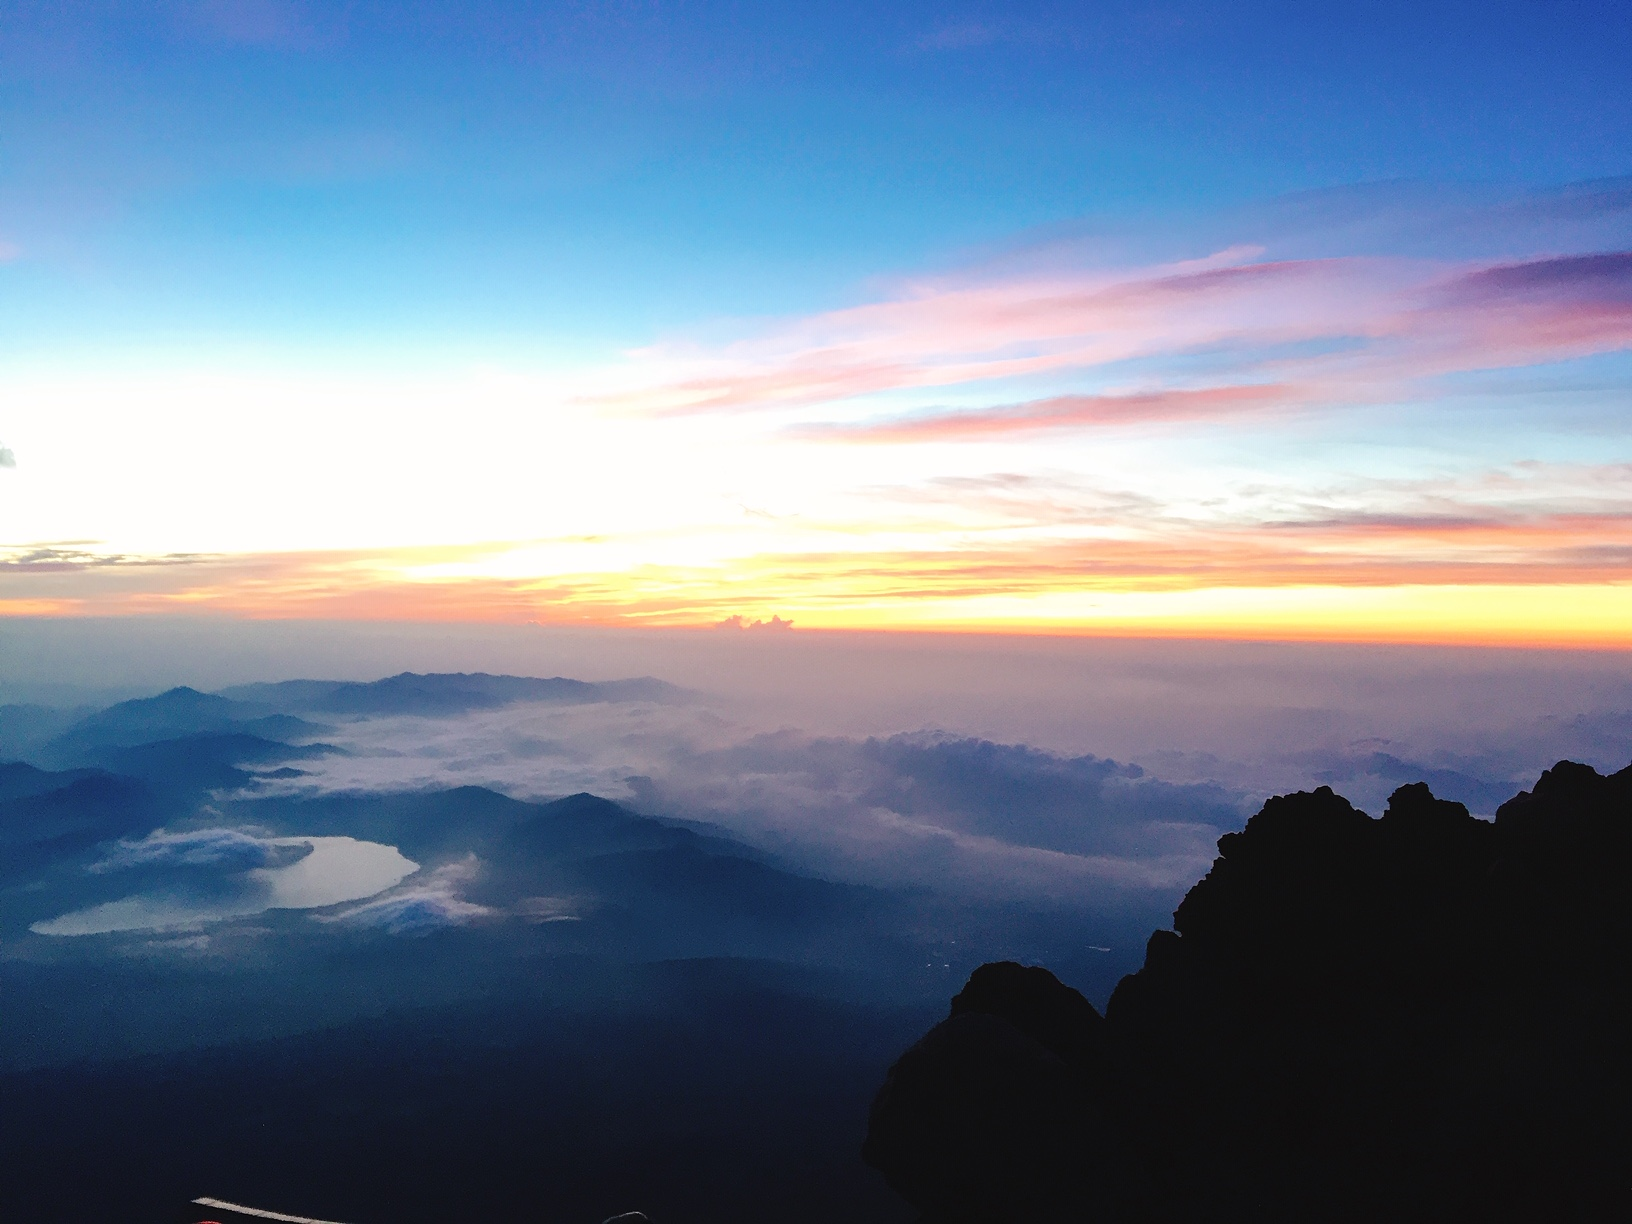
<point>568,998</point>
<point>415,1005</point>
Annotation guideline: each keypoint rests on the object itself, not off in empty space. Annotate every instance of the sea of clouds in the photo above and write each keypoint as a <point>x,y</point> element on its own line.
<point>935,806</point>
<point>996,766</point>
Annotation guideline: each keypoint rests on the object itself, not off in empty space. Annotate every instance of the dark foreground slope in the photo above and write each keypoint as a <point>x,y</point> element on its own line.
<point>728,1095</point>
<point>1421,1017</point>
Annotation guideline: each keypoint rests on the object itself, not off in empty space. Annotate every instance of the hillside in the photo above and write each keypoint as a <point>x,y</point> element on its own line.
<point>1417,1017</point>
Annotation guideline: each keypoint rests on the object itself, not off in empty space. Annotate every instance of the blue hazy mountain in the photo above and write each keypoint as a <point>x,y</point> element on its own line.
<point>20,780</point>
<point>442,693</point>
<point>504,889</point>
<point>50,819</point>
<point>25,728</point>
<point>640,1011</point>
<point>194,763</point>
<point>509,882</point>
<point>173,715</point>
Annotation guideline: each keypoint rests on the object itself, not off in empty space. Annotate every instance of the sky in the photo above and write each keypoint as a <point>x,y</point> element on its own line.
<point>1250,320</point>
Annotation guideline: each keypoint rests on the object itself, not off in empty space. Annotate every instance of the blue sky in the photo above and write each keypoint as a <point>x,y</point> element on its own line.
<point>276,172</point>
<point>802,299</point>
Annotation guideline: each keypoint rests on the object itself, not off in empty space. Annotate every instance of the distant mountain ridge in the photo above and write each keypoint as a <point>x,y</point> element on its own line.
<point>48,818</point>
<point>25,729</point>
<point>178,713</point>
<point>442,693</point>
<point>271,712</point>
<point>182,739</point>
<point>20,780</point>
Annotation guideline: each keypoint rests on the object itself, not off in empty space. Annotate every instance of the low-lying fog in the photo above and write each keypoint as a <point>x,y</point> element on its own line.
<point>924,808</point>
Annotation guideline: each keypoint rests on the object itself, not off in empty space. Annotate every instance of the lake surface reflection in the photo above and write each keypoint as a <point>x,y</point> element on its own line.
<point>337,869</point>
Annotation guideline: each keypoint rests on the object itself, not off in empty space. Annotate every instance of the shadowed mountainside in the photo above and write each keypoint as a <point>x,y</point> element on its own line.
<point>183,826</point>
<point>48,817</point>
<point>179,713</point>
<point>723,1092</point>
<point>1418,1017</point>
<point>570,1007</point>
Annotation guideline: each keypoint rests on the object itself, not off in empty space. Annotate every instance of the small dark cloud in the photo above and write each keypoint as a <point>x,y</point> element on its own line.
<point>1606,276</point>
<point>742,622</point>
<point>960,36</point>
<point>72,558</point>
<point>1593,200</point>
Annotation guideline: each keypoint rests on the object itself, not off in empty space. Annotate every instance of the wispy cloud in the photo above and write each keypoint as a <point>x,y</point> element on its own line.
<point>1099,556</point>
<point>226,849</point>
<point>949,331</point>
<point>1058,412</point>
<point>1304,334</point>
<point>1051,438</point>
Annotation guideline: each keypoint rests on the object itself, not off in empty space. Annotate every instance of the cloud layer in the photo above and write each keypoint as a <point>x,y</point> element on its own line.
<point>1013,768</point>
<point>1304,335</point>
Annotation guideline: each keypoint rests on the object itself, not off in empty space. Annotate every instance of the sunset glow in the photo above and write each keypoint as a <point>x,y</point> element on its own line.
<point>711,612</point>
<point>1388,411</point>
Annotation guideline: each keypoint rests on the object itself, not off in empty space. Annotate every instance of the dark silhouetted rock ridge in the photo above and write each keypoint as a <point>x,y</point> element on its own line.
<point>1420,1017</point>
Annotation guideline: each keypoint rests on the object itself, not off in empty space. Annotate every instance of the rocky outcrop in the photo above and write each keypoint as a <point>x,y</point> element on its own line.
<point>1419,1017</point>
<point>998,1112</point>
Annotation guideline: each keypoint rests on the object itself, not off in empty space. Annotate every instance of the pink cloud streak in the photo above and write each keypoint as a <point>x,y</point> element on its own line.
<point>1369,329</point>
<point>1060,412</point>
